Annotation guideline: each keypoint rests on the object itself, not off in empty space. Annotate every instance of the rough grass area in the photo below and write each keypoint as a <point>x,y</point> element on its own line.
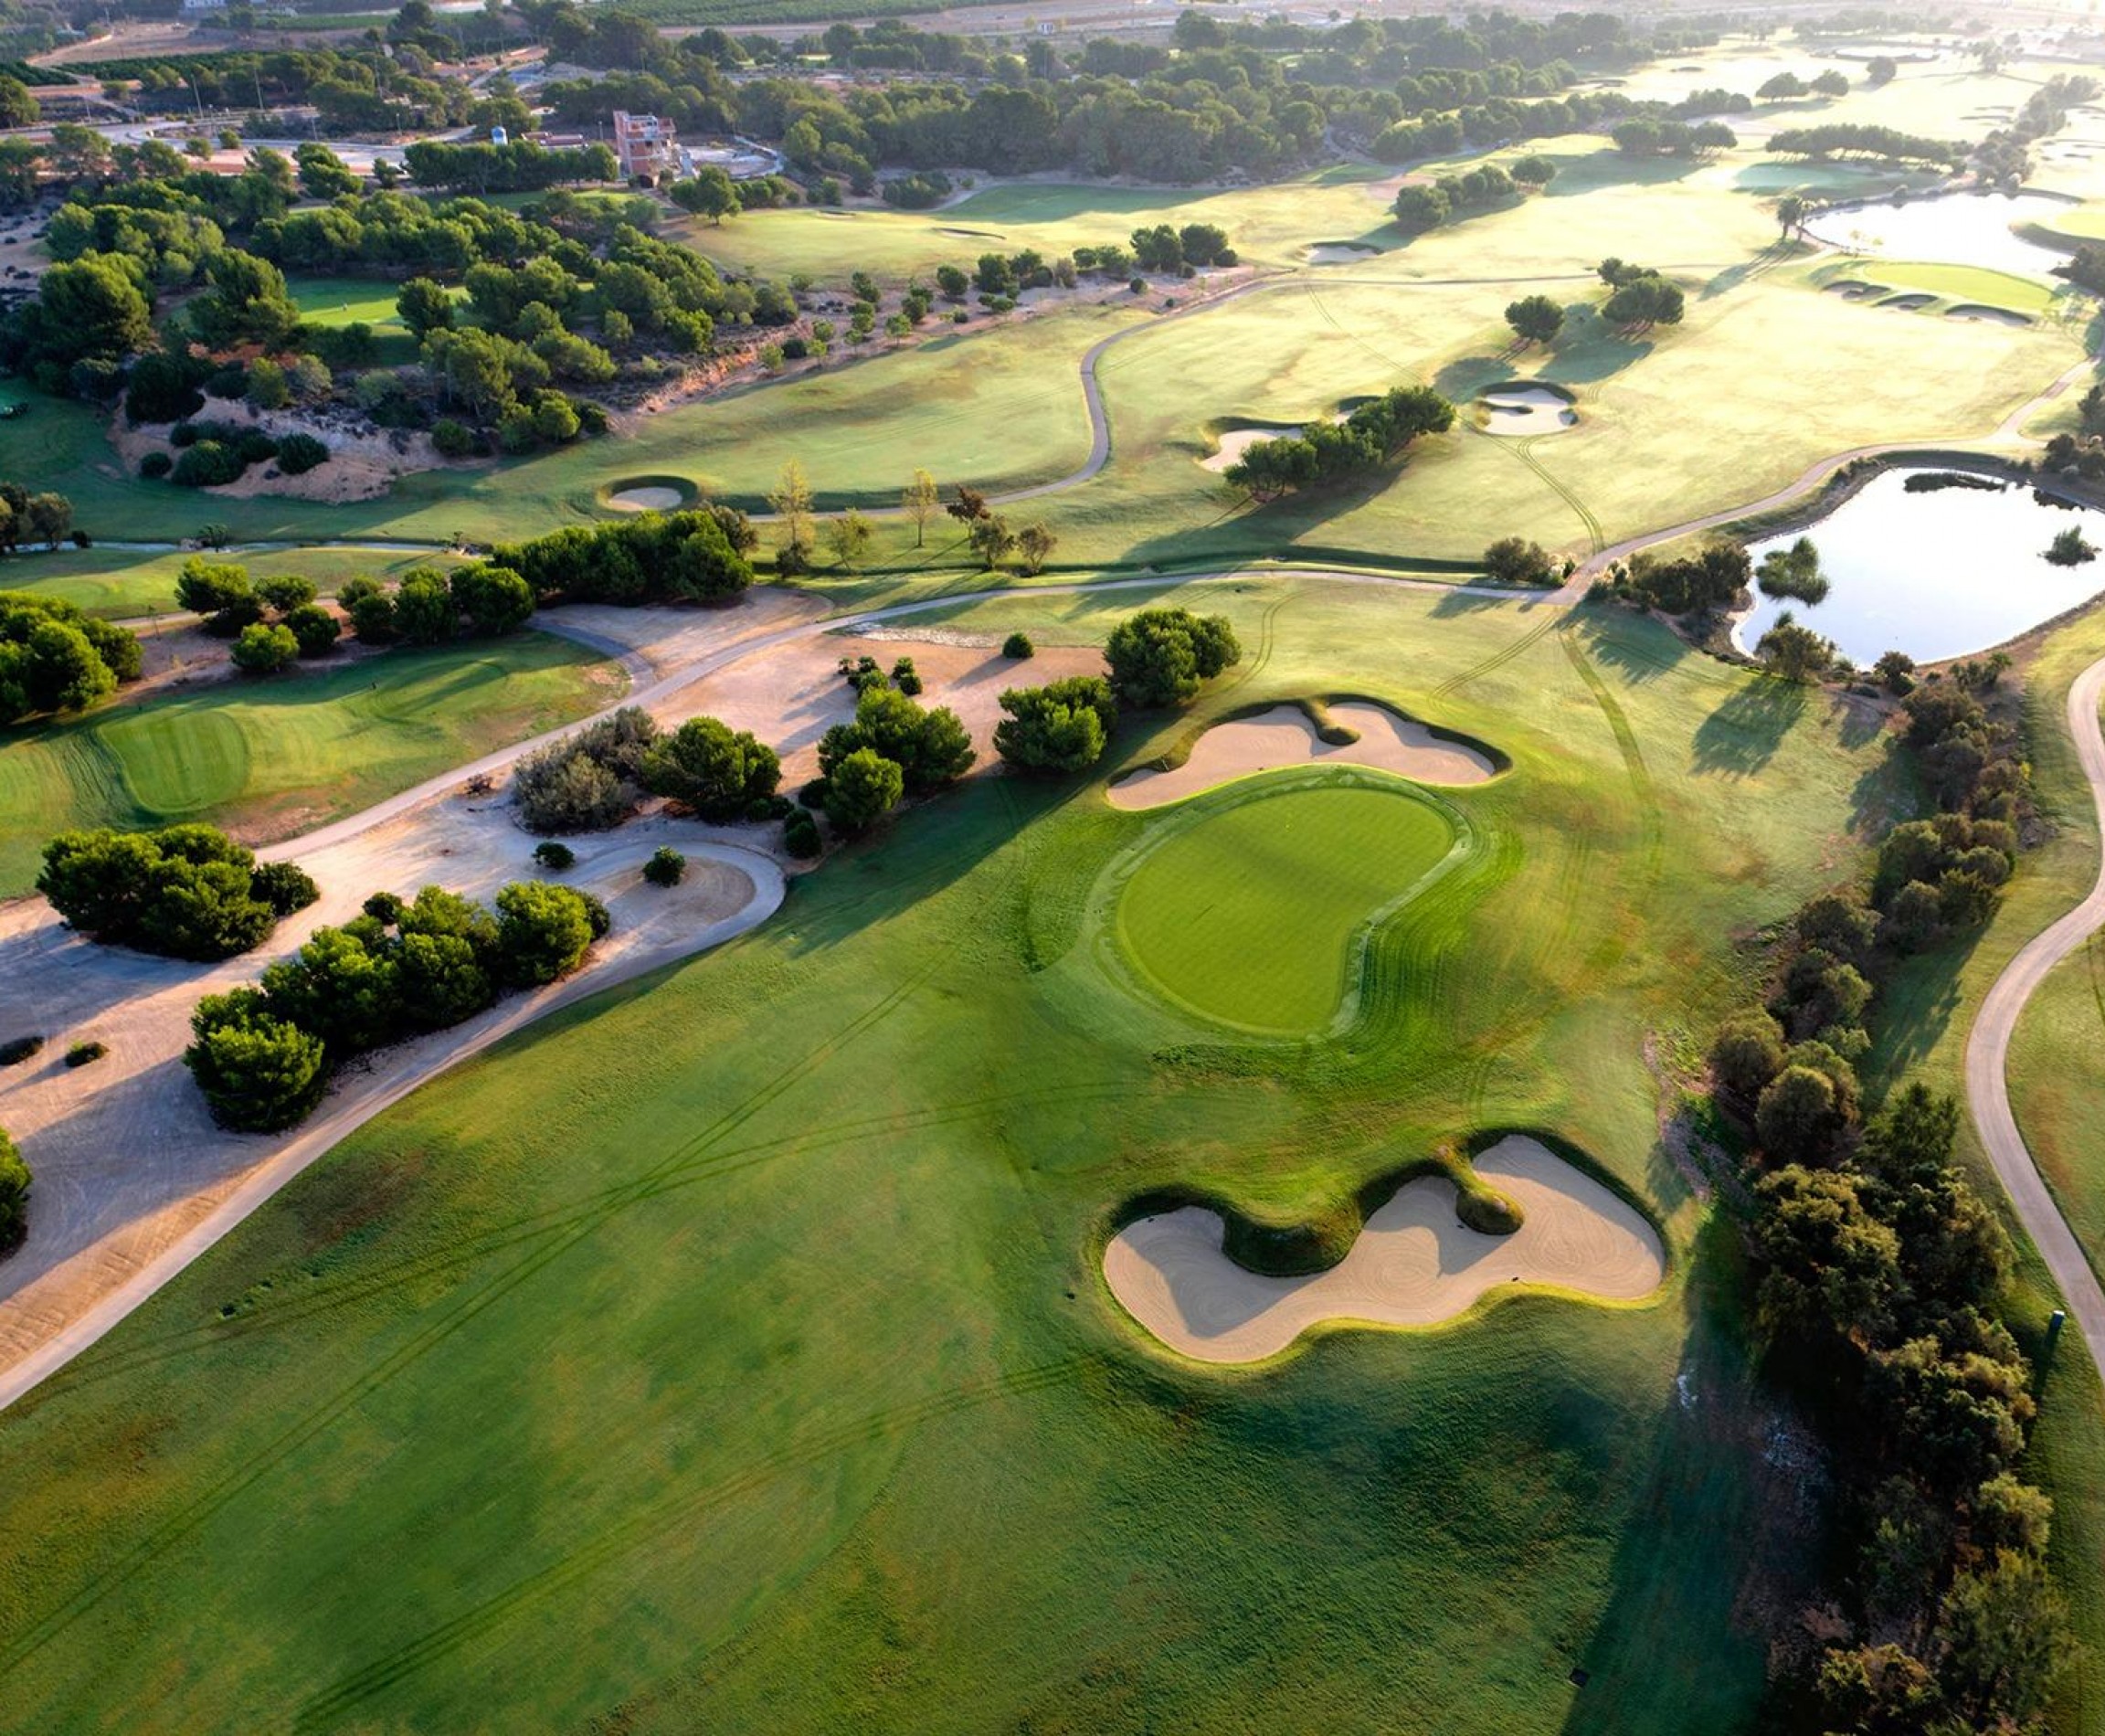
<point>272,757</point>
<point>730,1352</point>
<point>1251,908</point>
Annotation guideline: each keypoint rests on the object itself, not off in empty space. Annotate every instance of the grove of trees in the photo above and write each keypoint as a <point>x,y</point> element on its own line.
<point>1160,656</point>
<point>55,657</point>
<point>186,892</point>
<point>1325,454</point>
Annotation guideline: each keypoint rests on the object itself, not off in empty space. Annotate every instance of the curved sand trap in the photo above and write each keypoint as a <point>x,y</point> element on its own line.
<point>1282,735</point>
<point>1527,410</point>
<point>1238,441</point>
<point>1913,304</point>
<point>1851,289</point>
<point>1341,252</point>
<point>647,500</point>
<point>1991,315</point>
<point>1414,1262</point>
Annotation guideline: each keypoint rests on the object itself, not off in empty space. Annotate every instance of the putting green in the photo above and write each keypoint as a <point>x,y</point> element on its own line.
<point>1969,283</point>
<point>1253,913</point>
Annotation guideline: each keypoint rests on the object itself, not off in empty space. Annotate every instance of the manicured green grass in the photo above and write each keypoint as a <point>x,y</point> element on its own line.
<point>272,757</point>
<point>1251,909</point>
<point>731,1352</point>
<point>339,301</point>
<point>2087,225</point>
<point>2055,1074</point>
<point>1966,283</point>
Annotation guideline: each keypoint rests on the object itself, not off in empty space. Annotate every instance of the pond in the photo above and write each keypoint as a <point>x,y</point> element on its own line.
<point>1935,575</point>
<point>1952,229</point>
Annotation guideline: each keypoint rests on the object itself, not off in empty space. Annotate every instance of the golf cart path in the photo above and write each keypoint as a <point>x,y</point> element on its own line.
<point>1988,1050</point>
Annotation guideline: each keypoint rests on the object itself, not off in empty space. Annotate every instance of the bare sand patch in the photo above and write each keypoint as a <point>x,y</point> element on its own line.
<point>647,500</point>
<point>1238,440</point>
<point>1341,252</point>
<point>1415,1263</point>
<point>1912,303</point>
<point>1282,735</point>
<point>1854,289</point>
<point>1515,410</point>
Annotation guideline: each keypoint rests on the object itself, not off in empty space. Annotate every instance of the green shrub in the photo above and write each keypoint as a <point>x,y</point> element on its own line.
<point>264,651</point>
<point>81,1053</point>
<point>17,1049</point>
<point>208,464</point>
<point>185,892</point>
<point>314,628</point>
<point>454,439</point>
<point>155,464</point>
<point>285,887</point>
<point>1018,646</point>
<point>666,867</point>
<point>1061,726</point>
<point>14,1194</point>
<point>722,776</point>
<point>298,453</point>
<point>1160,656</point>
<point>553,856</point>
<point>256,446</point>
<point>542,933</point>
<point>589,781</point>
<point>259,1074</point>
<point>800,835</point>
<point>862,788</point>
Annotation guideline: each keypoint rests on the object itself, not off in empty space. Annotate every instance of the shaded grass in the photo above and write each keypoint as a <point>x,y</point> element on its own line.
<point>273,758</point>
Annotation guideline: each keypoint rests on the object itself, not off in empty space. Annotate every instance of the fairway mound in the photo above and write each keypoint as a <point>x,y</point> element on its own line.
<point>1414,1262</point>
<point>650,494</point>
<point>1284,735</point>
<point>1341,252</point>
<point>1525,406</point>
<point>1991,315</point>
<point>1236,441</point>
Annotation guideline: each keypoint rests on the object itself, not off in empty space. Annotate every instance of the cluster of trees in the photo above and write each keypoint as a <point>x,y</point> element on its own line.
<point>895,747</point>
<point>1515,560</point>
<point>520,166</point>
<point>1861,139</point>
<point>2003,158</point>
<point>54,657</point>
<point>2082,454</point>
<point>210,455</point>
<point>1535,319</point>
<point>1878,1271</point>
<point>46,517</point>
<point>1648,136</point>
<point>590,781</point>
<point>263,1055</point>
<point>1788,86</point>
<point>1639,296</point>
<point>1793,572</point>
<point>1712,577</point>
<point>695,556</point>
<point>184,891</point>
<point>2086,269</point>
<point>1418,208</point>
<point>991,536</point>
<point>1330,452</point>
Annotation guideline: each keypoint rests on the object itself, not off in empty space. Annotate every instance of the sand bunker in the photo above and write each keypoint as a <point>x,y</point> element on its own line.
<point>1341,252</point>
<point>1851,289</point>
<point>1991,315</point>
<point>647,500</point>
<point>1238,441</point>
<point>1907,303</point>
<point>1282,735</point>
<point>1414,1262</point>
<point>1527,410</point>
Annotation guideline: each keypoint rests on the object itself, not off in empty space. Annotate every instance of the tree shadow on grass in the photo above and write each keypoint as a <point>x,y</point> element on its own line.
<point>1592,350</point>
<point>1744,733</point>
<point>1733,276</point>
<point>1723,1520</point>
<point>1636,647</point>
<point>1915,1009</point>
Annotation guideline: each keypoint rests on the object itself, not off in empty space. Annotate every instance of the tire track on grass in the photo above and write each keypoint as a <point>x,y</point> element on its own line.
<point>1652,821</point>
<point>189,1517</point>
<point>328,1709</point>
<point>1496,660</point>
<point>1524,451</point>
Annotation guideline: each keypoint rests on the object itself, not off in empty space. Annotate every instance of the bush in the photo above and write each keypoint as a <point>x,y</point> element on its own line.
<point>185,892</point>
<point>1160,656</point>
<point>1061,726</point>
<point>718,774</point>
<point>17,1049</point>
<point>55,658</point>
<point>1514,560</point>
<point>14,1194</point>
<point>542,933</point>
<point>862,788</point>
<point>454,439</point>
<point>264,650</point>
<point>930,747</point>
<point>1018,646</point>
<point>666,866</point>
<point>298,453</point>
<point>285,887</point>
<point>313,629</point>
<point>554,857</point>
<point>81,1053</point>
<point>260,1074</point>
<point>800,834</point>
<point>208,464</point>
<point>154,465</point>
<point>587,781</point>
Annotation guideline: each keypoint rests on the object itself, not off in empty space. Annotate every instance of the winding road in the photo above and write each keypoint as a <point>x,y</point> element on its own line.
<point>1988,1049</point>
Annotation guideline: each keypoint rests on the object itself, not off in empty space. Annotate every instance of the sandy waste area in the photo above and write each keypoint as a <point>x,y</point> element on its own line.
<point>1415,1263</point>
<point>1282,735</point>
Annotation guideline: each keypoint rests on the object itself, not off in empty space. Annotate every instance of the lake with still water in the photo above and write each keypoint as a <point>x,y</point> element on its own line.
<point>1936,575</point>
